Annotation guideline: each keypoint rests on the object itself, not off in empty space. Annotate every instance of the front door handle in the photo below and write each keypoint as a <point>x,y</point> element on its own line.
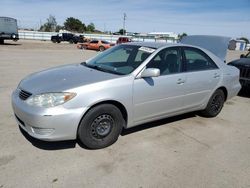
<point>216,75</point>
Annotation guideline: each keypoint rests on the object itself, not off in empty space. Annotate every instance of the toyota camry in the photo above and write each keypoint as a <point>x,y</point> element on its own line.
<point>127,85</point>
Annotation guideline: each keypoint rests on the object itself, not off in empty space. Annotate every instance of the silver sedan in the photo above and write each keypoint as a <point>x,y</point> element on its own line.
<point>125,86</point>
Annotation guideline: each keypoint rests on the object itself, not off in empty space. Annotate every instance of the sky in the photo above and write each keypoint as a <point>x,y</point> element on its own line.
<point>206,17</point>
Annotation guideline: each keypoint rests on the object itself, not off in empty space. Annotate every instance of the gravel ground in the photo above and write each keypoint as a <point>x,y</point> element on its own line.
<point>183,151</point>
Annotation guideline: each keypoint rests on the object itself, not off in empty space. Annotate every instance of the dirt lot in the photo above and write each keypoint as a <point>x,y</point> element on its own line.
<point>184,151</point>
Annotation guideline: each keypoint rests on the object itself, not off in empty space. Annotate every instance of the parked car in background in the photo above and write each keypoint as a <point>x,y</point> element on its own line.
<point>121,40</point>
<point>83,39</point>
<point>99,45</point>
<point>69,37</point>
<point>127,85</point>
<point>8,29</point>
<point>243,64</point>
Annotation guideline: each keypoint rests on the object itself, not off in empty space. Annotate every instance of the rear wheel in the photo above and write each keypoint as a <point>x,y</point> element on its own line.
<point>215,104</point>
<point>101,126</point>
<point>101,48</point>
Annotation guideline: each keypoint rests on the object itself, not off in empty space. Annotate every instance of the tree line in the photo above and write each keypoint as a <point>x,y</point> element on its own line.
<point>70,24</point>
<point>76,25</point>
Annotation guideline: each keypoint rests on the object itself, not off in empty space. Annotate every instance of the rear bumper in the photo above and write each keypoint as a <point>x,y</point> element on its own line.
<point>234,90</point>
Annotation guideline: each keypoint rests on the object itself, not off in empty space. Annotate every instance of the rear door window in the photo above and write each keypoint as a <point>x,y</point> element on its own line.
<point>196,60</point>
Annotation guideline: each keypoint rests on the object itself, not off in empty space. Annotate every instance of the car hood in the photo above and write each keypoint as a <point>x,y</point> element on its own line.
<point>241,61</point>
<point>63,78</point>
<point>216,44</point>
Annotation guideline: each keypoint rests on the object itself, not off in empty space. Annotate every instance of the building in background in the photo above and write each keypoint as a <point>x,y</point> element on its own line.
<point>236,44</point>
<point>169,37</point>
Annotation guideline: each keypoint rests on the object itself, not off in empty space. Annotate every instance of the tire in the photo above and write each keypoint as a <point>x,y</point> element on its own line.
<point>53,40</point>
<point>101,126</point>
<point>101,48</point>
<point>71,41</point>
<point>1,41</point>
<point>215,104</point>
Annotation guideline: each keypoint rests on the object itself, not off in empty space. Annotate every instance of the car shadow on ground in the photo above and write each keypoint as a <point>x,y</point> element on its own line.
<point>10,44</point>
<point>59,145</point>
<point>157,123</point>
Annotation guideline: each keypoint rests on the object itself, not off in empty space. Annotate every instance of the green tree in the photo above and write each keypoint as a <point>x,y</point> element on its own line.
<point>50,25</point>
<point>122,31</point>
<point>91,27</point>
<point>59,27</point>
<point>74,24</point>
<point>245,39</point>
<point>180,36</point>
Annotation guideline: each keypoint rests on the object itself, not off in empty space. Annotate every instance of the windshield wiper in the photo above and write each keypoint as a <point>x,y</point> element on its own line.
<point>101,68</point>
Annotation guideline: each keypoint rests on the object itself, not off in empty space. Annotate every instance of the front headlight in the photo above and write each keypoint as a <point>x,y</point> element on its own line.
<point>50,99</point>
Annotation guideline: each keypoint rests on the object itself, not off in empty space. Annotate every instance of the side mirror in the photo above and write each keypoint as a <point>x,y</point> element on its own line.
<point>242,56</point>
<point>150,72</point>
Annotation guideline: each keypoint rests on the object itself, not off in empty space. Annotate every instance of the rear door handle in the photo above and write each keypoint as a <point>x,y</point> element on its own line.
<point>180,81</point>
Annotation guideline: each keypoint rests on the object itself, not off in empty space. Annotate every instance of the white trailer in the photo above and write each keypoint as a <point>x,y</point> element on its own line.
<point>8,29</point>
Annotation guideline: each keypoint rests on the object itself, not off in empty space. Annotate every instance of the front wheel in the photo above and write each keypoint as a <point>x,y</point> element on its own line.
<point>101,126</point>
<point>215,104</point>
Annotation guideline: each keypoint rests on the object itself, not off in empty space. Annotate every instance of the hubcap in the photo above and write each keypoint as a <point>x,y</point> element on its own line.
<point>216,103</point>
<point>102,126</point>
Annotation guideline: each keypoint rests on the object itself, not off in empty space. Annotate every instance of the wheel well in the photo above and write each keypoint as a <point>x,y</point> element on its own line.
<point>115,103</point>
<point>224,91</point>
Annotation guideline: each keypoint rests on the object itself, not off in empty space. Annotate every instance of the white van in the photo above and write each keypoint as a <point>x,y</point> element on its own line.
<point>8,29</point>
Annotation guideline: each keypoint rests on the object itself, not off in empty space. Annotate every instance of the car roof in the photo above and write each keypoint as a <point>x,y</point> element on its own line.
<point>155,44</point>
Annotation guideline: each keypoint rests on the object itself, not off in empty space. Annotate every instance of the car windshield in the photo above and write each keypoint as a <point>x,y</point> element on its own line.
<point>105,42</point>
<point>121,59</point>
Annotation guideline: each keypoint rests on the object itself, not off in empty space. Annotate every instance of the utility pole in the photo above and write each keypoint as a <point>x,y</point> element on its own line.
<point>124,19</point>
<point>104,27</point>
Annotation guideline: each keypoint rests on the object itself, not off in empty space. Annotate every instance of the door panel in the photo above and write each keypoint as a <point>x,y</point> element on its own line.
<point>202,76</point>
<point>157,96</point>
<point>93,45</point>
<point>198,87</point>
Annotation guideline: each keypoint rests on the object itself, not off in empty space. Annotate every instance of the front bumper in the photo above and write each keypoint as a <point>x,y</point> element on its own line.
<point>50,124</point>
<point>9,36</point>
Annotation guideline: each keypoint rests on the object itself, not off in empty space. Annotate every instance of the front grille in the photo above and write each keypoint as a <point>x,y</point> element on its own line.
<point>244,72</point>
<point>24,94</point>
